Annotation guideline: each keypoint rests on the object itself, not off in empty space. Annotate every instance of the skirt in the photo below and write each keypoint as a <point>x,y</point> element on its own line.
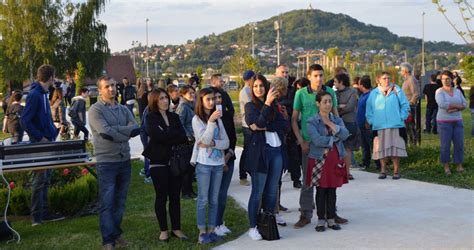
<point>388,143</point>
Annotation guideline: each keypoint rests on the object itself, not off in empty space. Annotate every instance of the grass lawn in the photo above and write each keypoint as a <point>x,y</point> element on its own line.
<point>140,225</point>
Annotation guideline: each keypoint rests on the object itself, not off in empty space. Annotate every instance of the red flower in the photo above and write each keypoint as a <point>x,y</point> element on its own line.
<point>66,171</point>
<point>12,185</point>
<point>84,171</point>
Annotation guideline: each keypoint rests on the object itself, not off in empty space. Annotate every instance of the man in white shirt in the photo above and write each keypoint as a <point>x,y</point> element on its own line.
<point>244,97</point>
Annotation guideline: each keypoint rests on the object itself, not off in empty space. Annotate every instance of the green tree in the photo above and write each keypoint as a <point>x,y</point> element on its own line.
<point>332,52</point>
<point>467,65</point>
<point>80,77</point>
<point>30,31</point>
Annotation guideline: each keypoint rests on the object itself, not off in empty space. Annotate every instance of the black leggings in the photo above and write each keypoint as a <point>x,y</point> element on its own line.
<point>326,203</point>
<point>188,181</point>
<point>166,186</point>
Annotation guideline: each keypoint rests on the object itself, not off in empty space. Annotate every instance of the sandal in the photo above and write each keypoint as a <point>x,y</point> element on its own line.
<point>460,169</point>
<point>382,176</point>
<point>447,172</point>
<point>396,176</point>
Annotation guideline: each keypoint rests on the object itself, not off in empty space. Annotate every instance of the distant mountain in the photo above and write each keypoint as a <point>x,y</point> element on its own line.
<point>300,30</point>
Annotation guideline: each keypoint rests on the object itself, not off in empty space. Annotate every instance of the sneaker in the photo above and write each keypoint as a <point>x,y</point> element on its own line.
<point>204,239</point>
<point>108,246</point>
<point>254,234</point>
<point>214,237</point>
<point>219,231</point>
<point>53,217</point>
<point>147,180</point>
<point>222,230</point>
<point>302,222</point>
<point>142,172</point>
<point>36,223</point>
<point>120,242</point>
<point>280,221</point>
<point>244,182</point>
<point>286,177</point>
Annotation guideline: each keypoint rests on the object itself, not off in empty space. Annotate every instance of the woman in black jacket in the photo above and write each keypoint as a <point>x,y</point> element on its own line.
<point>165,130</point>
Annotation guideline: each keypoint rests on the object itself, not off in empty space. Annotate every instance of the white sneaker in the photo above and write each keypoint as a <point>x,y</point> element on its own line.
<point>279,219</point>
<point>225,229</point>
<point>254,234</point>
<point>286,177</point>
<point>219,231</point>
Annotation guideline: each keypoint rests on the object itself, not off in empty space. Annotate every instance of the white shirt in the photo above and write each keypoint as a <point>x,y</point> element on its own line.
<point>272,139</point>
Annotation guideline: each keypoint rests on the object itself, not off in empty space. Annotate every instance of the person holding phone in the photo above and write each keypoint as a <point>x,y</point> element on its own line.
<point>209,158</point>
<point>268,127</point>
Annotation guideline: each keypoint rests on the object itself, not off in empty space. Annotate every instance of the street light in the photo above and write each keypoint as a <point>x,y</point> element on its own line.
<point>134,43</point>
<point>423,44</point>
<point>253,27</point>
<point>276,26</point>
<point>147,47</point>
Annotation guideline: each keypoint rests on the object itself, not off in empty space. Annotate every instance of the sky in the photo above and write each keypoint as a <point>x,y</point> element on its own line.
<point>177,21</point>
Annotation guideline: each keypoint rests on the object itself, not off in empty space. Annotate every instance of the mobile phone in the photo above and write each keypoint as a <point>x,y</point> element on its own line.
<point>219,107</point>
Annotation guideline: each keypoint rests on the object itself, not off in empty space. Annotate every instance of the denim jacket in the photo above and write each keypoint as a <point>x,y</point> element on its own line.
<point>320,140</point>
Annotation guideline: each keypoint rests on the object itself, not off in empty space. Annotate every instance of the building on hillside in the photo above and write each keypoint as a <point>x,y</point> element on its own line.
<point>119,67</point>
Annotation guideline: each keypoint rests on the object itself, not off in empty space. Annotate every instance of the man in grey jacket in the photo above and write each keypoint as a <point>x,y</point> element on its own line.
<point>112,126</point>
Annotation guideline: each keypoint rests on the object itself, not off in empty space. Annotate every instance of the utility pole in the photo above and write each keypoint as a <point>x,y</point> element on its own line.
<point>134,43</point>
<point>253,27</point>
<point>276,26</point>
<point>423,45</point>
<point>147,57</point>
<point>406,56</point>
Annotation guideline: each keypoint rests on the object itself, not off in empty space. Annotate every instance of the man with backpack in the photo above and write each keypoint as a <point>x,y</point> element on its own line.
<point>77,112</point>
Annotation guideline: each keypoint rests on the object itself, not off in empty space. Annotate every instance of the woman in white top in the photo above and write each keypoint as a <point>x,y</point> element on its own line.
<point>211,140</point>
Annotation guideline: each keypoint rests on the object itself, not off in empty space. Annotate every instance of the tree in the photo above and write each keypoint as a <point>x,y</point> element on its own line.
<point>30,31</point>
<point>467,65</point>
<point>465,10</point>
<point>332,52</point>
<point>80,77</point>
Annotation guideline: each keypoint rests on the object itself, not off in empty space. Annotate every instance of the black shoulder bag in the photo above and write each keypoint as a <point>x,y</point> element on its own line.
<point>267,226</point>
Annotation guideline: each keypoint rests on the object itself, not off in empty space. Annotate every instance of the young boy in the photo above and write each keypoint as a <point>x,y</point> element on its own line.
<point>77,112</point>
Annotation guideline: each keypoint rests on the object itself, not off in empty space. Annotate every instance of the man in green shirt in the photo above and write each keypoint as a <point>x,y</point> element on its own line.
<point>305,105</point>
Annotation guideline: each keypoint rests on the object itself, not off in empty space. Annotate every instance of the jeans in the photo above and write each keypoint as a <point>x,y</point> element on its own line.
<point>306,194</point>
<point>367,142</point>
<point>113,178</point>
<point>78,127</point>
<point>144,140</point>
<point>242,172</point>
<point>451,132</point>
<point>430,120</point>
<point>222,200</point>
<point>166,186</point>
<point>39,194</point>
<point>265,182</point>
<point>209,183</point>
<point>472,122</point>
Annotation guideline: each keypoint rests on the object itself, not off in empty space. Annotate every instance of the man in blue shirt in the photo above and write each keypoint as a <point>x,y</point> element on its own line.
<point>365,86</point>
<point>38,123</point>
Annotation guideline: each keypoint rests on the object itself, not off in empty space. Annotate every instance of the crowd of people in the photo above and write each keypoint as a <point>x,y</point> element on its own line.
<point>306,126</point>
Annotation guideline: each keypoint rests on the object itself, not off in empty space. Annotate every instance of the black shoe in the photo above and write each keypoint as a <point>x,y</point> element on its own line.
<point>320,228</point>
<point>53,217</point>
<point>282,208</point>
<point>335,227</point>
<point>297,184</point>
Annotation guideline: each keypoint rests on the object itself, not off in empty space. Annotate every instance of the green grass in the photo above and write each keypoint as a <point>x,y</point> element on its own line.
<point>140,225</point>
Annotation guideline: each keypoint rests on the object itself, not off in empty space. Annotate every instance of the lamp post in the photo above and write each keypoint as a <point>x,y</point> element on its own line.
<point>134,43</point>
<point>423,44</point>
<point>253,27</point>
<point>147,75</point>
<point>276,26</point>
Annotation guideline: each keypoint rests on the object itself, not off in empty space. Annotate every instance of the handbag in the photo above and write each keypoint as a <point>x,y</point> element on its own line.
<point>179,161</point>
<point>5,232</point>
<point>267,226</point>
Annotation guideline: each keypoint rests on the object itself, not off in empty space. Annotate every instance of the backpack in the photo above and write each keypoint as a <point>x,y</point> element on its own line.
<point>72,111</point>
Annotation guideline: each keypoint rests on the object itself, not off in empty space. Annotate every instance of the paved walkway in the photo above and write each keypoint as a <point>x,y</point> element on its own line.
<point>383,214</point>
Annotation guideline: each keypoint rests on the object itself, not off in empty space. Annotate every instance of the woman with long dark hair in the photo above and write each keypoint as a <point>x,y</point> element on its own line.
<point>211,141</point>
<point>267,127</point>
<point>165,131</point>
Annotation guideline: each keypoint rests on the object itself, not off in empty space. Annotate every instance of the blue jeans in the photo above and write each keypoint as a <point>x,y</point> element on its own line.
<point>209,182</point>
<point>367,143</point>
<point>39,194</point>
<point>265,182</point>
<point>430,120</point>
<point>114,178</point>
<point>451,132</point>
<point>222,200</point>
